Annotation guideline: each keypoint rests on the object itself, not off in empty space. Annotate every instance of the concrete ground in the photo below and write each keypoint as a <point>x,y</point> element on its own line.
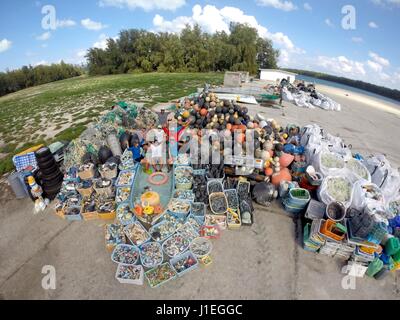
<point>265,261</point>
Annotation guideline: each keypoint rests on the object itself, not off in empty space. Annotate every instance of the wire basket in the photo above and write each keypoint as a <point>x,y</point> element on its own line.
<point>218,203</point>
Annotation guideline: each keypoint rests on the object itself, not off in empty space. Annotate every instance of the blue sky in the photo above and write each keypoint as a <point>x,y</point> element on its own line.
<point>308,33</point>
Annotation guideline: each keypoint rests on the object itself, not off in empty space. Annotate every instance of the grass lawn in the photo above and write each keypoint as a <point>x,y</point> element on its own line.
<point>61,110</point>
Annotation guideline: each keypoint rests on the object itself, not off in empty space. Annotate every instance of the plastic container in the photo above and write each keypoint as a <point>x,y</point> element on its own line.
<point>220,197</point>
<point>201,243</point>
<point>233,199</point>
<point>153,273</point>
<point>151,246</point>
<point>327,228</point>
<point>392,246</point>
<point>107,215</point>
<point>299,197</point>
<point>183,186</point>
<point>138,282</point>
<point>129,183</point>
<point>315,210</point>
<point>141,228</point>
<point>87,174</point>
<point>104,191</point>
<point>17,183</point>
<point>335,211</point>
<point>173,240</point>
<point>73,217</point>
<point>128,221</point>
<point>184,257</point>
<point>210,232</point>
<point>127,246</point>
<point>214,186</point>
<point>374,267</point>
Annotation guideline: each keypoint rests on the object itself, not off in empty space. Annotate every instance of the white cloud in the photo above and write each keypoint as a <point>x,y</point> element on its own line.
<point>44,45</point>
<point>65,23</point>
<point>211,19</point>
<point>278,4</point>
<point>378,59</point>
<point>329,23</point>
<point>101,43</point>
<point>146,5</point>
<point>387,3</point>
<point>45,36</point>
<point>357,39</point>
<point>373,25</point>
<point>374,66</point>
<point>41,63</point>
<point>341,66</point>
<point>307,6</point>
<point>5,45</point>
<point>92,25</point>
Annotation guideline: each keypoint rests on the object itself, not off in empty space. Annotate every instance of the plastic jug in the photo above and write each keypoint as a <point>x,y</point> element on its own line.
<point>374,267</point>
<point>392,246</point>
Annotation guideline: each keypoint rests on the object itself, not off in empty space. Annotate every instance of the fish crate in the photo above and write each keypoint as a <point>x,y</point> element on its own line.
<point>179,208</point>
<point>135,269</point>
<point>160,225</point>
<point>107,215</point>
<point>126,178</point>
<point>125,222</point>
<point>143,256</point>
<point>110,246</point>
<point>138,229</point>
<point>89,215</point>
<point>184,257</point>
<point>174,239</point>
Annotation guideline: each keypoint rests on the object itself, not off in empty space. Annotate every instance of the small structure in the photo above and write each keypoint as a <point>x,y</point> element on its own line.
<point>235,79</point>
<point>275,74</point>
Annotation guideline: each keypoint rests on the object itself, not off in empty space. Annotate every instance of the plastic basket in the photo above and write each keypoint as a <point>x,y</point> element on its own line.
<point>184,256</point>
<point>215,220</point>
<point>299,196</point>
<point>109,174</point>
<point>214,186</point>
<point>218,196</point>
<point>198,209</point>
<point>23,161</point>
<point>138,282</point>
<point>158,225</point>
<point>131,180</point>
<point>201,242</point>
<point>118,193</point>
<point>73,217</point>
<point>232,198</point>
<point>174,212</point>
<point>110,246</point>
<point>326,230</point>
<point>183,186</point>
<point>106,191</point>
<point>87,174</point>
<point>234,226</point>
<point>128,221</point>
<point>188,232</point>
<point>173,239</point>
<point>127,246</point>
<point>135,241</point>
<point>315,210</point>
<point>205,232</point>
<point>166,266</point>
<point>156,246</point>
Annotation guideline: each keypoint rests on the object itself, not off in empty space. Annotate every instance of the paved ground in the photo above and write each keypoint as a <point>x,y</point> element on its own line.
<point>265,261</point>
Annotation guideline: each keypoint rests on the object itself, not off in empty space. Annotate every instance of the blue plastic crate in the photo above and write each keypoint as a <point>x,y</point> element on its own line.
<point>132,247</point>
<point>164,282</point>
<point>141,249</point>
<point>23,161</point>
<point>134,171</point>
<point>162,222</point>
<point>75,217</point>
<point>185,255</point>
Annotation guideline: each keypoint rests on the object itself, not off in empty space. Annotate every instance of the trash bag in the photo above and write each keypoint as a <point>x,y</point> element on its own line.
<point>383,175</point>
<point>104,154</point>
<point>328,163</point>
<point>124,140</point>
<point>357,170</point>
<point>364,193</point>
<point>264,193</point>
<point>336,188</point>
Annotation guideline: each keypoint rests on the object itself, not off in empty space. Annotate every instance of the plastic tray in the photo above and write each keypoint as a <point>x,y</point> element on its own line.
<point>135,248</point>
<point>185,255</point>
<point>138,282</point>
<point>119,185</point>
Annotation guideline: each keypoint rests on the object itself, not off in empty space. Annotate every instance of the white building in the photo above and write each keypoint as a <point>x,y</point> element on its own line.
<point>275,74</point>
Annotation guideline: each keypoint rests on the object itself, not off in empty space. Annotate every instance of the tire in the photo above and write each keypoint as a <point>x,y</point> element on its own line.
<point>42,153</point>
<point>51,185</point>
<point>53,189</point>
<point>53,181</point>
<point>47,165</point>
<point>50,170</point>
<point>58,176</point>
<point>44,159</point>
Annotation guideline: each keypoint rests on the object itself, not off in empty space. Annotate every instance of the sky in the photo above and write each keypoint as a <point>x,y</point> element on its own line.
<point>357,39</point>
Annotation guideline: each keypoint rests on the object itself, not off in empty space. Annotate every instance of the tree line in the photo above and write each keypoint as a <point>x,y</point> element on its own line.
<point>28,76</point>
<point>190,51</point>
<point>383,91</point>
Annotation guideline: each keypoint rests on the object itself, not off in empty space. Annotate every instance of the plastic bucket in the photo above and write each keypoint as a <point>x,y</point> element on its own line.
<point>336,211</point>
